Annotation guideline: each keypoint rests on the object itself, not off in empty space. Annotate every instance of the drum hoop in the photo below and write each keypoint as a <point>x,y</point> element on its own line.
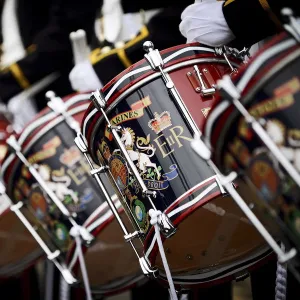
<point>234,114</point>
<point>214,275</point>
<point>244,80</point>
<point>92,223</point>
<point>133,88</point>
<point>56,120</point>
<point>111,86</point>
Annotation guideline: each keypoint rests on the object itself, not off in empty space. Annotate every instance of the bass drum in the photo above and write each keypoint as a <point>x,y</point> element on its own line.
<point>214,241</point>
<point>48,143</point>
<point>270,91</point>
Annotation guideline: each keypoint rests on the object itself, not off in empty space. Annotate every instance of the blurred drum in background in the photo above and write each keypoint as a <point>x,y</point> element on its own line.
<point>213,239</point>
<point>258,136</point>
<point>47,146</point>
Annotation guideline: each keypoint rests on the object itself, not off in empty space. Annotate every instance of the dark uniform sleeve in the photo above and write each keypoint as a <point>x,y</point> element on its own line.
<point>52,48</point>
<point>162,30</point>
<point>254,20</point>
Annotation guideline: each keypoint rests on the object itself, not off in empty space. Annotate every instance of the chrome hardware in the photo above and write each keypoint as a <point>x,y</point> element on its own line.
<point>98,100</point>
<point>153,56</point>
<point>13,143</point>
<point>146,269</point>
<point>100,170</point>
<point>80,142</point>
<point>226,182</point>
<point>132,236</point>
<point>165,225</point>
<point>203,90</point>
<point>176,96</point>
<point>293,27</point>
<point>59,106</point>
<point>239,54</point>
<point>221,51</point>
<point>150,193</point>
<point>227,87</point>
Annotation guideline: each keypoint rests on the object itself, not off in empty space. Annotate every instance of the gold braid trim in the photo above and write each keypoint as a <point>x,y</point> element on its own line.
<point>96,55</point>
<point>265,5</point>
<point>19,75</point>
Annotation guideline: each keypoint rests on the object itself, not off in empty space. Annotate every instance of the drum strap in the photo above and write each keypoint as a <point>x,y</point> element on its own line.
<point>154,215</point>
<point>281,280</point>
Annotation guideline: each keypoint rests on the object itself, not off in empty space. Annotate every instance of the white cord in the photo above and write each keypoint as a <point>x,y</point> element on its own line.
<point>83,268</point>
<point>64,289</point>
<point>154,214</point>
<point>281,280</point>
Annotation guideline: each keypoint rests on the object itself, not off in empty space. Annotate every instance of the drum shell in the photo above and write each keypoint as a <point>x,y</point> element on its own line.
<point>151,120</point>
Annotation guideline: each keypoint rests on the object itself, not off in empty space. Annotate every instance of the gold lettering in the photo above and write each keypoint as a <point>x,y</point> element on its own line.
<point>179,135</point>
<point>161,146</point>
<point>170,140</point>
<point>77,175</point>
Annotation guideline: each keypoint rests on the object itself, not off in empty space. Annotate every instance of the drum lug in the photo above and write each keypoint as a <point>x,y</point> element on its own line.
<point>58,106</point>
<point>221,51</point>
<point>204,91</point>
<point>150,193</point>
<point>165,225</point>
<point>131,236</point>
<point>153,56</point>
<point>146,269</point>
<point>98,100</point>
<point>100,170</point>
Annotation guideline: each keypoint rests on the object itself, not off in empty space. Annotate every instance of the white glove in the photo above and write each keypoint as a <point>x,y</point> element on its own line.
<point>83,77</point>
<point>204,22</point>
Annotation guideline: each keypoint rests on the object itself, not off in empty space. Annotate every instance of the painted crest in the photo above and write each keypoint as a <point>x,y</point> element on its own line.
<point>160,122</point>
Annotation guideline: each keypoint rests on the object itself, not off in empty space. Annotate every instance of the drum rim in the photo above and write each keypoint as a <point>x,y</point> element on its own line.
<point>247,90</point>
<point>96,118</point>
<point>72,257</point>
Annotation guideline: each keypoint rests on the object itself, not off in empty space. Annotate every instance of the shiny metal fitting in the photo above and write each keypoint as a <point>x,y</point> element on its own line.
<point>98,99</point>
<point>146,269</point>
<point>165,225</point>
<point>153,56</point>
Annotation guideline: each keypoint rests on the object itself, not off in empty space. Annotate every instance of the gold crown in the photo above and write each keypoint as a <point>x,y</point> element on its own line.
<point>70,156</point>
<point>160,122</point>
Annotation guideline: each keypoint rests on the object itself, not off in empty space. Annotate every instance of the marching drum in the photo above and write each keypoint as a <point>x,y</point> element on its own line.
<point>49,181</point>
<point>256,133</point>
<point>142,133</point>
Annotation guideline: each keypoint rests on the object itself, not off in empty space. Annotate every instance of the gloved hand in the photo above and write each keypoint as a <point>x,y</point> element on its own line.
<point>205,23</point>
<point>83,77</point>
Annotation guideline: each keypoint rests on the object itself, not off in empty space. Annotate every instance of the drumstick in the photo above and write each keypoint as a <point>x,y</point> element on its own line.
<point>79,46</point>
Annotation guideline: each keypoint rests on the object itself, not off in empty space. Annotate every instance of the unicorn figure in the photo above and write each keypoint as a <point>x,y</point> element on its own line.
<point>142,159</point>
<point>59,185</point>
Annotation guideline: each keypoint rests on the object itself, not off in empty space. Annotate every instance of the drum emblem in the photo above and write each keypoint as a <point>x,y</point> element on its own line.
<point>142,159</point>
<point>119,170</point>
<point>160,122</point>
<point>61,234</point>
<point>59,185</point>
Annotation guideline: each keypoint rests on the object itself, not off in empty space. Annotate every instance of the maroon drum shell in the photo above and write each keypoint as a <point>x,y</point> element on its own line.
<point>125,92</point>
